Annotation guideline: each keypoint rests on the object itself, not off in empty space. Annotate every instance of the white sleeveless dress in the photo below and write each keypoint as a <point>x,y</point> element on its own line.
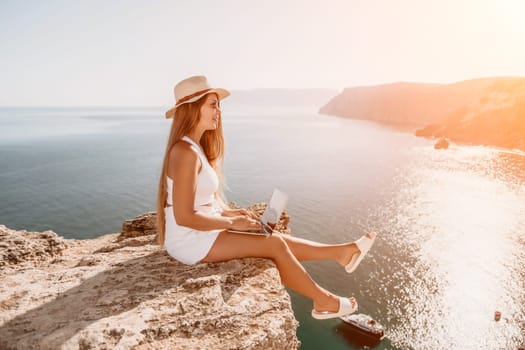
<point>183,243</point>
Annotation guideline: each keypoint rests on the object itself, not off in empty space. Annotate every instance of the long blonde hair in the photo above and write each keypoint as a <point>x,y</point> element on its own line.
<point>186,119</point>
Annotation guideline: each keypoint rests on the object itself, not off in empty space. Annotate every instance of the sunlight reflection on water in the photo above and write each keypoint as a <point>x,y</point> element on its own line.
<point>451,229</point>
<point>451,224</point>
<point>458,228</point>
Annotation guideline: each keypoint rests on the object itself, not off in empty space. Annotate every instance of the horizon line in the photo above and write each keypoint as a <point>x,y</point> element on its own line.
<point>266,88</point>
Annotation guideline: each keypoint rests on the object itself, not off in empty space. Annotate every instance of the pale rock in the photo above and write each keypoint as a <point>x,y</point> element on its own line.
<point>121,291</point>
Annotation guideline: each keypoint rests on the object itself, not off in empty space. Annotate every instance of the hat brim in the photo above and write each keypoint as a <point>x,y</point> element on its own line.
<point>222,93</point>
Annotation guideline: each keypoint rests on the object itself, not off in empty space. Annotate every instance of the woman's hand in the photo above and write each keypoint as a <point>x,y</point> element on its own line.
<point>238,212</point>
<point>244,223</point>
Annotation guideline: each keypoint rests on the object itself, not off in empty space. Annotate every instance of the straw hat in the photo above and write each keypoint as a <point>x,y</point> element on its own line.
<point>191,89</point>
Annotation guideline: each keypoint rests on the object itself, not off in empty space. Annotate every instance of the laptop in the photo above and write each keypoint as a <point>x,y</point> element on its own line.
<point>271,215</point>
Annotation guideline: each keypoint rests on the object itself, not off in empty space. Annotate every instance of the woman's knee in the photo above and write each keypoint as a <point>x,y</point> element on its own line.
<point>279,245</point>
<point>232,245</point>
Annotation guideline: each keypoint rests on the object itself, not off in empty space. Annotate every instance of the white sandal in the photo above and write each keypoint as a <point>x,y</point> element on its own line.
<point>363,244</point>
<point>345,308</point>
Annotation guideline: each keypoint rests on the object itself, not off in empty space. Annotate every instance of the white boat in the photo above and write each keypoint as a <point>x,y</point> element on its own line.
<point>365,329</point>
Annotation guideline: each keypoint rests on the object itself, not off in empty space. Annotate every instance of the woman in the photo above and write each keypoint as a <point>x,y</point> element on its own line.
<point>193,220</point>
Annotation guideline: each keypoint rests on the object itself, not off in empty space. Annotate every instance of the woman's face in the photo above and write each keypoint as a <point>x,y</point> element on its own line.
<point>210,112</point>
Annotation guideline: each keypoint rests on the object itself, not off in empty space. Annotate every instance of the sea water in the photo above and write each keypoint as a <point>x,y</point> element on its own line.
<point>451,224</point>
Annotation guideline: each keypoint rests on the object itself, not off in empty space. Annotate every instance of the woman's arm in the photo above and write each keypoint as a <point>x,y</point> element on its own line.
<point>221,203</point>
<point>183,167</point>
<point>228,211</point>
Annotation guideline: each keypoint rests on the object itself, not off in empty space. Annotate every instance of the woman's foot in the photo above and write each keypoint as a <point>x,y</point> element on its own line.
<point>331,304</point>
<point>356,251</point>
<point>350,249</point>
<point>334,307</point>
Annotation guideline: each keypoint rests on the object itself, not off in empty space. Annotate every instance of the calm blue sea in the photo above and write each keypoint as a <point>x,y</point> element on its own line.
<point>451,224</point>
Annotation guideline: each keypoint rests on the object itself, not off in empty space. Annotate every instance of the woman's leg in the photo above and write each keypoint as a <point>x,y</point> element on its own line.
<point>304,249</point>
<point>293,275</point>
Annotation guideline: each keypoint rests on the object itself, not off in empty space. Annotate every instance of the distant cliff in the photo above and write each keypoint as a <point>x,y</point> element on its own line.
<point>496,117</point>
<point>121,291</point>
<point>487,111</point>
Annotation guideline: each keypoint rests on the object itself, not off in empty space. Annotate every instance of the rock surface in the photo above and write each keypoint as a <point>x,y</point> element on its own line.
<point>485,111</point>
<point>496,117</point>
<point>122,291</point>
<point>404,103</point>
<point>442,143</point>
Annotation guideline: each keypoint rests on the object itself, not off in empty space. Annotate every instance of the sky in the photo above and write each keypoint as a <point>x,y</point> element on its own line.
<point>132,52</point>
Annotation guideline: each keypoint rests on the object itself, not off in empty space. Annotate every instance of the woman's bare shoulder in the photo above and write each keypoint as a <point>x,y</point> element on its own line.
<point>181,153</point>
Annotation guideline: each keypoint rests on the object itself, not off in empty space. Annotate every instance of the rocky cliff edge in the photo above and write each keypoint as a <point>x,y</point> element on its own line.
<point>122,291</point>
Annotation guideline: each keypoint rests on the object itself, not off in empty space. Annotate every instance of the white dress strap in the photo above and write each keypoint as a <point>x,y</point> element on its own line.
<point>190,141</point>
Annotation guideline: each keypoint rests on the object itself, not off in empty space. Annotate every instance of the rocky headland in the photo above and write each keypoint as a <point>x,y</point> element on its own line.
<point>485,111</point>
<point>122,291</point>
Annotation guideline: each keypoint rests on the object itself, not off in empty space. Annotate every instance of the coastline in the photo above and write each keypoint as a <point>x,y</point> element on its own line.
<point>123,290</point>
<point>419,130</point>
